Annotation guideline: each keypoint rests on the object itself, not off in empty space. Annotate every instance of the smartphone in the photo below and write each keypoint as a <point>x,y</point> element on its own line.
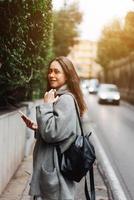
<point>22,114</point>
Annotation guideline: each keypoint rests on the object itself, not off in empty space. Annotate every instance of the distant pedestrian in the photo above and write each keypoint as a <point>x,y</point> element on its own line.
<point>57,122</point>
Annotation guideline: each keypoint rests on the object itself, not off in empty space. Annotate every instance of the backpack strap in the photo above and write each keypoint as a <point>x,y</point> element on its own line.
<point>77,111</point>
<point>92,187</point>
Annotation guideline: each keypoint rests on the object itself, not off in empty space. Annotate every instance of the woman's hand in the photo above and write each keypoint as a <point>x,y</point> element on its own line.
<point>29,123</point>
<point>49,97</point>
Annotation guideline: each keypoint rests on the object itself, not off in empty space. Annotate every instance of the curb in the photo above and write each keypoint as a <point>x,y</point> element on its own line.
<point>113,182</point>
<point>128,105</point>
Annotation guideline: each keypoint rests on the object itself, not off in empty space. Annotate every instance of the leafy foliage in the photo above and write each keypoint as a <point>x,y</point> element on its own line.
<point>107,46</point>
<point>66,23</point>
<point>116,42</point>
<point>25,47</point>
<point>129,31</point>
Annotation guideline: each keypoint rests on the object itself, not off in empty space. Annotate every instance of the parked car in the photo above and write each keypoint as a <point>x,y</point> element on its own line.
<point>93,86</point>
<point>108,93</point>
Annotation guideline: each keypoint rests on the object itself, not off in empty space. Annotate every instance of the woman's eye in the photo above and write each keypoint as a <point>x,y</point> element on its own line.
<point>56,71</point>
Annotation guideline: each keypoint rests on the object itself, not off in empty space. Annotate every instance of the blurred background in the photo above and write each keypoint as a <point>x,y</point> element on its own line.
<point>98,37</point>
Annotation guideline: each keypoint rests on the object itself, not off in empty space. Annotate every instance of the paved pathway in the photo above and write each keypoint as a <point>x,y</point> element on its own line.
<point>18,187</point>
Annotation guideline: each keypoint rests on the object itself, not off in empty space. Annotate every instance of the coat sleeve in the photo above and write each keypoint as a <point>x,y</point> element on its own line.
<point>57,121</point>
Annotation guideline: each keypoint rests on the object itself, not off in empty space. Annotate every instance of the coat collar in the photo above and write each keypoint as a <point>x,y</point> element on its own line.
<point>63,89</point>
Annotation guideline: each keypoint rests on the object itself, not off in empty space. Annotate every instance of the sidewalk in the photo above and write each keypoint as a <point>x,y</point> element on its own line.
<point>18,187</point>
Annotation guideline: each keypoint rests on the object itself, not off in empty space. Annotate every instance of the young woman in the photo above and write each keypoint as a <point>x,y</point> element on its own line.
<point>57,123</point>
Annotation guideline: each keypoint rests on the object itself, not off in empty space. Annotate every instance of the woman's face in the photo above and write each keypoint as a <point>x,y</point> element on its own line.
<point>56,75</point>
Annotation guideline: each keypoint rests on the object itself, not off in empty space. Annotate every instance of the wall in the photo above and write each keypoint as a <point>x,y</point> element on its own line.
<point>16,140</point>
<point>12,145</point>
<point>121,73</point>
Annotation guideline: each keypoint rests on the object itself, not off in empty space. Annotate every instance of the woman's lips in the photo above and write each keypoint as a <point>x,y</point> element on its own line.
<point>52,81</point>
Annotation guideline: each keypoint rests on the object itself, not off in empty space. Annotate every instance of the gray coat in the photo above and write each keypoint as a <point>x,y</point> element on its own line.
<point>58,123</point>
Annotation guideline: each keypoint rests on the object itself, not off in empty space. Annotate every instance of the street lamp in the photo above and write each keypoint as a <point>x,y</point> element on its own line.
<point>65,3</point>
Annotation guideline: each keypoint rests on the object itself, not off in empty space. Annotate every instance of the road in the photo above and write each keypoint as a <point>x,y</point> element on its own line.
<point>114,126</point>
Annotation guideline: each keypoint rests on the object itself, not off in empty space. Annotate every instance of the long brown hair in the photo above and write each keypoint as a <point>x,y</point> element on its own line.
<point>73,81</point>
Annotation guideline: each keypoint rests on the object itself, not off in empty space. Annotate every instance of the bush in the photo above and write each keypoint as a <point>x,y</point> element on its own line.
<point>25,48</point>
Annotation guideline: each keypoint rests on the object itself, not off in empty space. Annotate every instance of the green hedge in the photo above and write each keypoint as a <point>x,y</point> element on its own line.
<point>25,48</point>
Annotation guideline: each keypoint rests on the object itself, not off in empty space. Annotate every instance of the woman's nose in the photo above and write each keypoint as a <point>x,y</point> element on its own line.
<point>52,74</point>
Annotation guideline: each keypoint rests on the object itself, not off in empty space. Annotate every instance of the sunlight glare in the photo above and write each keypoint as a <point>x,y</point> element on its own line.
<point>98,13</point>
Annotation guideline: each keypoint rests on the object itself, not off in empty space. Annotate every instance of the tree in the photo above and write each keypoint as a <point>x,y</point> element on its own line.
<point>65,28</point>
<point>111,46</point>
<point>116,42</point>
<point>129,31</point>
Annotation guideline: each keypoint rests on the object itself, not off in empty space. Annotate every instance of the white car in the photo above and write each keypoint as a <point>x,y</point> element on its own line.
<point>93,86</point>
<point>108,93</point>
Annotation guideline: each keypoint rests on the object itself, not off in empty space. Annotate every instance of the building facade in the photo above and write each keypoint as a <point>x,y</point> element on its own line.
<point>83,55</point>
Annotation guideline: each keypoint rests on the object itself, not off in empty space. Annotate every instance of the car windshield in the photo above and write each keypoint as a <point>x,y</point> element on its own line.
<point>109,88</point>
<point>94,82</point>
<point>112,89</point>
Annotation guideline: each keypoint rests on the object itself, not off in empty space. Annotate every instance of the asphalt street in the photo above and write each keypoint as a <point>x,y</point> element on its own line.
<point>114,127</point>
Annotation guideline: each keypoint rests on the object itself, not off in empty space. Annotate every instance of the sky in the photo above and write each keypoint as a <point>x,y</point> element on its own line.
<point>97,14</point>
